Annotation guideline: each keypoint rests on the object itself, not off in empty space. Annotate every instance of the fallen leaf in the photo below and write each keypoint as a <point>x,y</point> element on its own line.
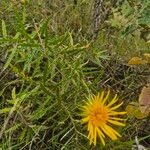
<point>144,100</point>
<point>136,61</point>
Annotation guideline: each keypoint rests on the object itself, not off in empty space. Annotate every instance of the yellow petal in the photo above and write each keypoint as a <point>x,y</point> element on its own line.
<point>95,136</point>
<point>109,132</point>
<point>101,97</point>
<point>116,123</point>
<point>114,118</point>
<point>115,107</point>
<point>113,113</point>
<point>114,100</point>
<point>101,135</point>
<point>114,131</point>
<point>91,134</point>
<point>103,102</point>
<point>100,132</point>
<point>84,120</point>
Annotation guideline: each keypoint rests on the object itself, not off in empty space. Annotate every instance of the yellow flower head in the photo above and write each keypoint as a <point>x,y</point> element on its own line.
<point>99,115</point>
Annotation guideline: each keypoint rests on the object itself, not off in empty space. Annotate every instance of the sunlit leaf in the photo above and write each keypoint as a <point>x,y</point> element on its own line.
<point>4,31</point>
<point>144,100</point>
<point>118,20</point>
<point>14,93</point>
<point>133,110</point>
<point>147,57</point>
<point>5,110</point>
<point>136,61</point>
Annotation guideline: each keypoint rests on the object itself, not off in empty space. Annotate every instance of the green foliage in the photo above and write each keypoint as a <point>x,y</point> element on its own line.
<point>49,66</point>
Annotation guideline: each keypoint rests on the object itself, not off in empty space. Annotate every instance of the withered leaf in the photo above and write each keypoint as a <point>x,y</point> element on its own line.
<point>136,61</point>
<point>144,100</point>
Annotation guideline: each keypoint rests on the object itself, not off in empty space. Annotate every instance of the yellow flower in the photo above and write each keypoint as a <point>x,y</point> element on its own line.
<point>98,115</point>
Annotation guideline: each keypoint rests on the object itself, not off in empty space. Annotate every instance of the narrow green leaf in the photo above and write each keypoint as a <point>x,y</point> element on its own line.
<point>71,39</point>
<point>17,36</point>
<point>45,90</point>
<point>4,31</point>
<point>45,72</point>
<point>13,94</point>
<point>13,128</point>
<point>22,134</point>
<point>44,26</point>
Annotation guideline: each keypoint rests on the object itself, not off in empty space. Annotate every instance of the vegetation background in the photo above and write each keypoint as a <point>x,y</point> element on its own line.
<point>54,54</point>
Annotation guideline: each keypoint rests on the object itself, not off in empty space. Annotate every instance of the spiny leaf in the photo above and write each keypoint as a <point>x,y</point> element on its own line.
<point>11,56</point>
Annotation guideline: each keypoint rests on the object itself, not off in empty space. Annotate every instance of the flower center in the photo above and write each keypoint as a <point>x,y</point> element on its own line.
<point>99,115</point>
